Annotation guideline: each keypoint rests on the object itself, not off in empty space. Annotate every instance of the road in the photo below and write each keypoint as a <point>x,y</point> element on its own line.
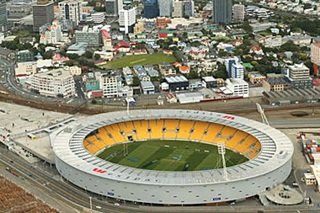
<point>72,195</point>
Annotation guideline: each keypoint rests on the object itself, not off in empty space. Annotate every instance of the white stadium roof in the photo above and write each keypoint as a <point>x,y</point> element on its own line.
<point>276,149</point>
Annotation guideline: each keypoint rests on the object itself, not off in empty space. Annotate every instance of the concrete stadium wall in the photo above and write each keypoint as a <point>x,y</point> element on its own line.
<point>183,194</point>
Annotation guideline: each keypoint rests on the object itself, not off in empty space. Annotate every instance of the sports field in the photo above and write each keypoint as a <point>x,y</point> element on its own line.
<point>167,155</point>
<point>145,59</point>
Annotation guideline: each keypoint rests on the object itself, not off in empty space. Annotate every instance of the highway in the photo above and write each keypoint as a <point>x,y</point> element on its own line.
<point>71,194</point>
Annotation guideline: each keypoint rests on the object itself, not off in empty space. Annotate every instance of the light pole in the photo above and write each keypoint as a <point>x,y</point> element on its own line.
<point>90,202</point>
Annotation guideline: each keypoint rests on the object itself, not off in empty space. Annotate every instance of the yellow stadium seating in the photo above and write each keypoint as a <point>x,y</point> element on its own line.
<point>212,132</point>
<point>156,127</point>
<point>171,124</point>
<point>102,133</point>
<point>198,130</point>
<point>236,138</point>
<point>114,130</point>
<point>184,129</point>
<point>227,132</point>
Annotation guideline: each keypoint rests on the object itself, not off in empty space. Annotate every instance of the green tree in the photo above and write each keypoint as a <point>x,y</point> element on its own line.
<point>221,72</point>
<point>88,54</point>
<point>289,46</point>
<point>97,56</point>
<point>47,55</point>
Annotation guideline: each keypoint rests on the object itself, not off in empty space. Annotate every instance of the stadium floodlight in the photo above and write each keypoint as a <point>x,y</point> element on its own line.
<point>222,152</point>
<point>263,116</point>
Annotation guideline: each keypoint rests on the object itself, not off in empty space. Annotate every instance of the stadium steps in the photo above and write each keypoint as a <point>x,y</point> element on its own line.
<point>185,126</point>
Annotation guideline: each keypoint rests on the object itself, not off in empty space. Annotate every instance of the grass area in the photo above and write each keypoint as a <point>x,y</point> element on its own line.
<point>131,60</point>
<point>166,155</point>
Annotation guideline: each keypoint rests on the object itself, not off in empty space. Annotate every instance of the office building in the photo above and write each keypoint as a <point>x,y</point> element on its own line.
<point>237,71</point>
<point>151,9</point>
<point>3,16</point>
<point>165,8</point>
<point>222,11</point>
<point>70,10</point>
<point>54,83</point>
<point>178,9</point>
<point>238,87</point>
<point>42,14</point>
<point>91,36</point>
<point>238,12</point>
<point>109,84</point>
<point>127,20</point>
<point>298,76</point>
<point>19,8</point>
<point>315,55</point>
<point>188,8</point>
<point>51,33</point>
<point>229,62</point>
<point>24,56</point>
<point>113,7</point>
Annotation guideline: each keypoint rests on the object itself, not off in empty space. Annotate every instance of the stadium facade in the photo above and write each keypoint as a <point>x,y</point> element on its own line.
<point>269,158</point>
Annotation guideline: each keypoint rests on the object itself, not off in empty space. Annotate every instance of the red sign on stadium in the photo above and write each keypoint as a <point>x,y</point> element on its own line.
<point>99,170</point>
<point>228,117</point>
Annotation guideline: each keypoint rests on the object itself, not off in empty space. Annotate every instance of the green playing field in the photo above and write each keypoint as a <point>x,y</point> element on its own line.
<point>165,155</point>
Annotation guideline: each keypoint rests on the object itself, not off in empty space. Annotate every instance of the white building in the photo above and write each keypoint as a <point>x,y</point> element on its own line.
<point>73,70</point>
<point>54,83</point>
<point>51,33</point>
<point>178,9</point>
<point>165,8</point>
<point>237,71</point>
<point>25,68</point>
<point>238,12</point>
<point>127,19</point>
<point>238,87</point>
<point>98,18</point>
<point>70,10</point>
<point>315,52</point>
<point>109,84</point>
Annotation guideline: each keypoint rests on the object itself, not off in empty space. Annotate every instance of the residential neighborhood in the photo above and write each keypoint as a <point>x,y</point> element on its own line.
<point>140,48</point>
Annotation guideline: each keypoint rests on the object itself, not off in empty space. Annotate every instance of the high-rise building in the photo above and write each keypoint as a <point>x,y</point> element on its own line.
<point>238,12</point>
<point>165,8</point>
<point>222,11</point>
<point>298,76</point>
<point>178,9</point>
<point>127,19</point>
<point>237,71</point>
<point>91,36</point>
<point>315,55</point>
<point>151,9</point>
<point>51,33</point>
<point>188,10</point>
<point>42,13</point>
<point>113,7</point>
<point>3,16</point>
<point>109,85</point>
<point>70,10</point>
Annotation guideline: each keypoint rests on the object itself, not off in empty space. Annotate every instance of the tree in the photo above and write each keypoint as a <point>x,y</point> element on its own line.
<point>73,56</point>
<point>97,56</point>
<point>47,55</point>
<point>289,46</point>
<point>136,81</point>
<point>88,54</point>
<point>221,72</point>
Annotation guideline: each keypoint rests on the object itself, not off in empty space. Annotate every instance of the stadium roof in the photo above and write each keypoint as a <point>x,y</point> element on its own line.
<point>276,149</point>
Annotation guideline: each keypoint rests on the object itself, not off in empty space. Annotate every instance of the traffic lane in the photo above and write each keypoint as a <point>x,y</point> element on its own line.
<point>69,192</point>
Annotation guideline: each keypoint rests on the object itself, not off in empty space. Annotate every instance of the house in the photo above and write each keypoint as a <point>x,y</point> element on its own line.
<point>256,49</point>
<point>121,46</point>
<point>184,69</point>
<point>167,69</point>
<point>147,87</point>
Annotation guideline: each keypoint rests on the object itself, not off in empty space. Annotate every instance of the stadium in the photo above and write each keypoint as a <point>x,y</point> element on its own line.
<point>172,157</point>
